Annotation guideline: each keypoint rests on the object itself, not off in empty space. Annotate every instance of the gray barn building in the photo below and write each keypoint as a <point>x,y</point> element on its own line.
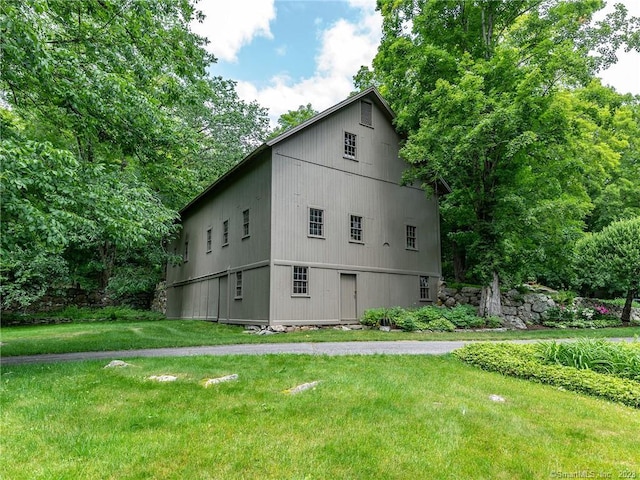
<point>313,227</point>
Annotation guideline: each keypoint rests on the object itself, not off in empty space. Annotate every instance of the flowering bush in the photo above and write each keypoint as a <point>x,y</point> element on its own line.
<point>573,316</point>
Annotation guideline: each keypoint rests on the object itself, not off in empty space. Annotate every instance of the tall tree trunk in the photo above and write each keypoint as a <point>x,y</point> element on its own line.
<point>626,311</point>
<point>490,299</point>
<point>459,262</point>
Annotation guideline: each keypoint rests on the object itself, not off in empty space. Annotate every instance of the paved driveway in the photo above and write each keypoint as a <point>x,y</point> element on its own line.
<point>402,347</point>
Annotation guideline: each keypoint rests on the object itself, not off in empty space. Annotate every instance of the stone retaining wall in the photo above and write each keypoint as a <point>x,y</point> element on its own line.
<point>520,309</point>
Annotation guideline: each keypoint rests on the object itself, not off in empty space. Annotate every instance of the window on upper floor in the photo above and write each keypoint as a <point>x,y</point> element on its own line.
<point>245,223</point>
<point>238,285</point>
<point>209,240</point>
<point>185,255</point>
<point>424,289</point>
<point>301,281</point>
<point>350,148</point>
<point>366,113</point>
<point>225,233</point>
<point>355,227</point>
<point>411,237</point>
<point>316,222</point>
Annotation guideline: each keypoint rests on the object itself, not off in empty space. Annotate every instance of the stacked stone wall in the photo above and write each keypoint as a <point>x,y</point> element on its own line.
<point>520,309</point>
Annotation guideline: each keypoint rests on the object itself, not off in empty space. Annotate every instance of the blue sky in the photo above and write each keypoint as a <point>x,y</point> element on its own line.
<point>286,53</point>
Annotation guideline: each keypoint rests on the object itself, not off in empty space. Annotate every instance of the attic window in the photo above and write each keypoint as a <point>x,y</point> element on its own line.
<point>350,145</point>
<point>366,113</point>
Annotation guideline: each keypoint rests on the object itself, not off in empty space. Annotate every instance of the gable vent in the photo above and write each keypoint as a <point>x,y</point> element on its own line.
<point>366,113</point>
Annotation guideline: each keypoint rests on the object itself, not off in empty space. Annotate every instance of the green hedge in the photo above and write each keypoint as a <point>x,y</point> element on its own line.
<point>521,361</point>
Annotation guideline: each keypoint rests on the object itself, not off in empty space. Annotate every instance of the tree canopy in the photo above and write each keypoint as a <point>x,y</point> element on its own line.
<point>610,259</point>
<point>293,118</point>
<point>110,123</point>
<point>499,99</point>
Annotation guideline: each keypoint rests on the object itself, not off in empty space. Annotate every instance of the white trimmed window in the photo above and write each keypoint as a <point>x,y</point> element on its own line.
<point>366,113</point>
<point>208,240</point>
<point>238,285</point>
<point>412,237</point>
<point>350,147</point>
<point>355,227</point>
<point>245,223</point>
<point>424,289</point>
<point>225,233</point>
<point>316,222</point>
<point>301,280</point>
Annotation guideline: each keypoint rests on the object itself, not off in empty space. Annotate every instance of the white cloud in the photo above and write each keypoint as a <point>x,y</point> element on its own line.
<point>344,47</point>
<point>229,25</point>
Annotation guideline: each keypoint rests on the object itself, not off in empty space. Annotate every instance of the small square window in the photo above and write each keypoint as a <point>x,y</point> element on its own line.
<point>225,233</point>
<point>355,227</point>
<point>300,280</point>
<point>366,113</point>
<point>316,222</point>
<point>424,289</point>
<point>350,145</point>
<point>245,223</point>
<point>208,240</point>
<point>238,285</point>
<point>412,239</point>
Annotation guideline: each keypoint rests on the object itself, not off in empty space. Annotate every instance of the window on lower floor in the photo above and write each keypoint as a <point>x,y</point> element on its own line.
<point>238,285</point>
<point>316,222</point>
<point>355,226</point>
<point>412,237</point>
<point>424,288</point>
<point>301,280</point>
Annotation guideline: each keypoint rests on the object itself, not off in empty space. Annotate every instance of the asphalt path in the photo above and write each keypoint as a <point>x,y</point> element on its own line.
<point>401,347</point>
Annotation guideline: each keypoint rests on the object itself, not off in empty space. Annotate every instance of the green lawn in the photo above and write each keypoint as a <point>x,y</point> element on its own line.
<point>391,417</point>
<point>127,335</point>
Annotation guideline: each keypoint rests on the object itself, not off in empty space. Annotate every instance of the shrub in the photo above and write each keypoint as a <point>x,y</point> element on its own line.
<point>614,358</point>
<point>440,325</point>
<point>375,317</point>
<point>521,361</point>
<point>572,316</point>
<point>464,316</point>
<point>429,313</point>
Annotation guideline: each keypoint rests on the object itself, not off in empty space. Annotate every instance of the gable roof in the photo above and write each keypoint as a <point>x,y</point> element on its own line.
<point>370,94</point>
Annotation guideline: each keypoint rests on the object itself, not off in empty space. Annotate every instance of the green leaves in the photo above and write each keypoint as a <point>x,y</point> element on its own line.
<point>611,258</point>
<point>113,125</point>
<point>488,95</point>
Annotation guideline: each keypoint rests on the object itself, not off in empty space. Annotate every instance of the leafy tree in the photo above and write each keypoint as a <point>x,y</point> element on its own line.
<point>293,118</point>
<point>484,91</point>
<point>611,259</point>
<point>110,124</point>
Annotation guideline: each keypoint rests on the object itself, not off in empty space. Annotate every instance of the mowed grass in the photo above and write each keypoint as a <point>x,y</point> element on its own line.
<point>374,417</point>
<point>128,335</point>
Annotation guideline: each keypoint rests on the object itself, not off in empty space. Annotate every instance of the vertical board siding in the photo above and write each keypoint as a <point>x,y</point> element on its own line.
<point>249,190</point>
<point>307,169</point>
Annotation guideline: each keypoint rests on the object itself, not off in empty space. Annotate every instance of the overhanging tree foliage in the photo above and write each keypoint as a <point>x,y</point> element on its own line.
<point>293,118</point>
<point>110,123</point>
<point>486,91</point>
<point>610,259</point>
